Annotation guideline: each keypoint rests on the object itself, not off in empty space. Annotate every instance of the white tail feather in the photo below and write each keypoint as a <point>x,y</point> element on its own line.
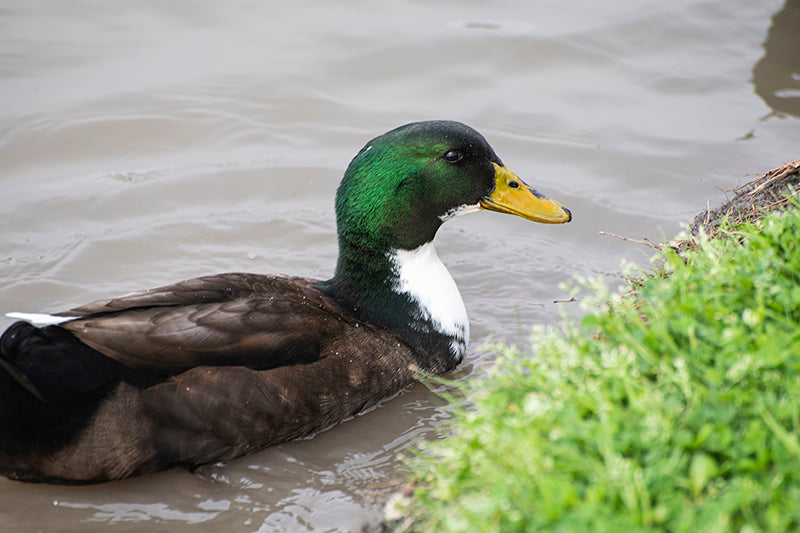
<point>40,319</point>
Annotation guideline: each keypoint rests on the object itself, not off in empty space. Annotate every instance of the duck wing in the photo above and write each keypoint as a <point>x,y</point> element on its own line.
<point>228,319</point>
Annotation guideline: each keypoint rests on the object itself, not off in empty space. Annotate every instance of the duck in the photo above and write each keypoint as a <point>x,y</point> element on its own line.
<point>209,369</point>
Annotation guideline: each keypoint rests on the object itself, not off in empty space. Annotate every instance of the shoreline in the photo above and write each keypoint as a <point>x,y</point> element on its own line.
<point>678,317</point>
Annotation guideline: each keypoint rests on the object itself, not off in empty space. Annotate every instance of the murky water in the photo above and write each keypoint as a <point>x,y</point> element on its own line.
<point>147,142</point>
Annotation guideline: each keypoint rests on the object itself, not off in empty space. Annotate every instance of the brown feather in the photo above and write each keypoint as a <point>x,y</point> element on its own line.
<point>227,319</point>
<point>246,361</point>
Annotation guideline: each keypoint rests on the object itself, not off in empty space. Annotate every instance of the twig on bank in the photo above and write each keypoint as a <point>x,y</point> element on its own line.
<point>568,300</point>
<point>644,241</point>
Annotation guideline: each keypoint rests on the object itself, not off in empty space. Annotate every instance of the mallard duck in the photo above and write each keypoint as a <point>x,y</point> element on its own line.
<point>215,367</point>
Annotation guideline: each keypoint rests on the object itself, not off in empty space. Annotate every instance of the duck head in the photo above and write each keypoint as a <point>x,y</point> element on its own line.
<point>403,185</point>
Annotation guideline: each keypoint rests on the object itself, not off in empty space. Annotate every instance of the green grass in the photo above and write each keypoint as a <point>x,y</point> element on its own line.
<point>672,408</point>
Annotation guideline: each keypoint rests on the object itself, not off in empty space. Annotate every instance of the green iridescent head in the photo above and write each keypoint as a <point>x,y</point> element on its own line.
<point>401,185</point>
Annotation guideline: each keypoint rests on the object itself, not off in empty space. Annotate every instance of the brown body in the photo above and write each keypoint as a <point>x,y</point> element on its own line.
<point>223,365</point>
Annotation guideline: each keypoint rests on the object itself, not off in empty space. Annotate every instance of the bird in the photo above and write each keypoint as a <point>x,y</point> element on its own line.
<point>212,368</point>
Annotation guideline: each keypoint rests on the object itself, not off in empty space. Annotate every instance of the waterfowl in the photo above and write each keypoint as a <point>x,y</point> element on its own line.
<point>215,367</point>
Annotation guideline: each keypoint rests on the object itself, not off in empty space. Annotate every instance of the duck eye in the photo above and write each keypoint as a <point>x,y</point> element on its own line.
<point>513,184</point>
<point>453,156</point>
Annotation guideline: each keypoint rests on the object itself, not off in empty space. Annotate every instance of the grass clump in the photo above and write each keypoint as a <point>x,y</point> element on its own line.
<point>675,408</point>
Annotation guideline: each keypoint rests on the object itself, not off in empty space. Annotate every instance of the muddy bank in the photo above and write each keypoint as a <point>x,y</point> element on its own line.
<point>752,200</point>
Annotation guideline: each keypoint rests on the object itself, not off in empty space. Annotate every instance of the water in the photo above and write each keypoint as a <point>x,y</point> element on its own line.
<point>147,142</point>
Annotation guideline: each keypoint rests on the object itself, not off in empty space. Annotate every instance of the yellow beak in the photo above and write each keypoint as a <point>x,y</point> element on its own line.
<point>511,195</point>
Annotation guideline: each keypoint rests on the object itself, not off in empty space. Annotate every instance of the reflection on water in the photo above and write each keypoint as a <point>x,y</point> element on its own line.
<point>114,513</point>
<point>142,143</point>
<point>777,74</point>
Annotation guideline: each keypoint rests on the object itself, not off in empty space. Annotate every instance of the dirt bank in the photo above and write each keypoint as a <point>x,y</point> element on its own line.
<point>753,200</point>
